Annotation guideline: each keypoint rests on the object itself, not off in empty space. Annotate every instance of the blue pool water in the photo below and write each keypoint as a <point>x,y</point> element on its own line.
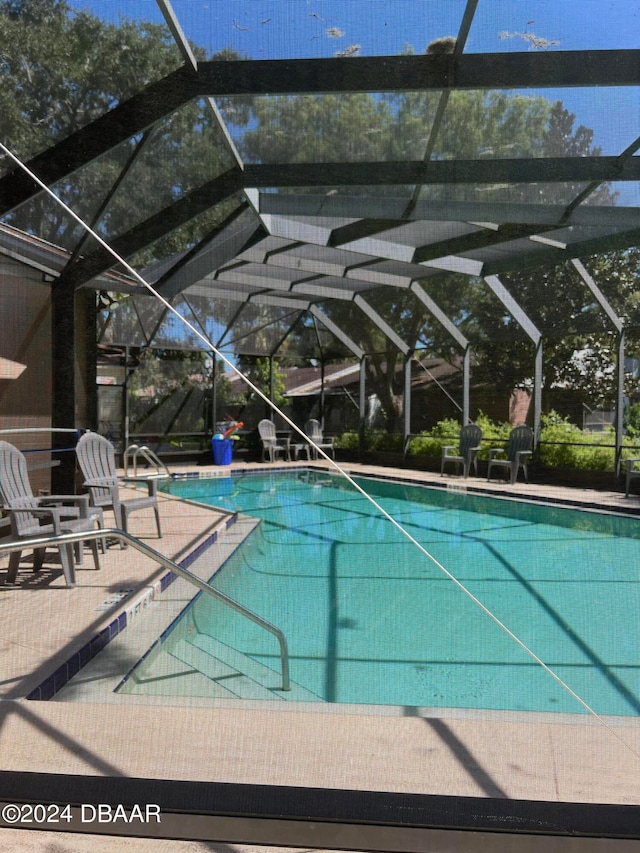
<point>369,619</point>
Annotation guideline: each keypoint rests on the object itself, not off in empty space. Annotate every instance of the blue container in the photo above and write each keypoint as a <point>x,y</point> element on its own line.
<point>222,451</point>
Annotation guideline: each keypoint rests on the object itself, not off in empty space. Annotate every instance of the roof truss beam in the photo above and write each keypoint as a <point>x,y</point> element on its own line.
<point>360,230</point>
<point>439,315</point>
<point>156,226</point>
<point>480,239</point>
<point>599,296</point>
<point>361,207</point>
<point>382,324</point>
<point>419,73</point>
<point>229,239</point>
<point>520,316</point>
<point>607,243</point>
<point>336,331</point>
<point>101,135</point>
<point>509,170</point>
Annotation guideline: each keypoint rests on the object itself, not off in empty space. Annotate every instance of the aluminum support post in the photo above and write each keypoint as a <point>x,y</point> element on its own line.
<point>363,406</point>
<point>466,383</point>
<point>406,406</point>
<point>619,424</point>
<point>537,393</point>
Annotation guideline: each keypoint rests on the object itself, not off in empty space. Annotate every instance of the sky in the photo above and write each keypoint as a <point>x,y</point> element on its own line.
<point>277,29</point>
<point>310,28</point>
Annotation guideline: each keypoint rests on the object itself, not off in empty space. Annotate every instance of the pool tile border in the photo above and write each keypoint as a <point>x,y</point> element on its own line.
<point>463,487</point>
<point>71,667</point>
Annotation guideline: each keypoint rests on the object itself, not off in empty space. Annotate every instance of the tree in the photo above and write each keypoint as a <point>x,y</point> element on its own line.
<point>63,68</point>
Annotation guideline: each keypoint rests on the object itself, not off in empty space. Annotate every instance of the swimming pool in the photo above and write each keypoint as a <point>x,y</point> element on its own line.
<point>370,620</point>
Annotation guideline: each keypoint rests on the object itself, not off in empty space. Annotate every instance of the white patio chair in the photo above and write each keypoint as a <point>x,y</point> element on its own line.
<point>271,447</point>
<point>97,461</point>
<point>314,431</point>
<point>60,514</point>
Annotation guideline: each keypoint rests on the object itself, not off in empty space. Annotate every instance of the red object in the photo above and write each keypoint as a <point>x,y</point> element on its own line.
<point>232,429</point>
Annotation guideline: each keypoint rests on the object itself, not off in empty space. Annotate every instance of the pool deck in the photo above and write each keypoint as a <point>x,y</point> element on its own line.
<point>538,757</point>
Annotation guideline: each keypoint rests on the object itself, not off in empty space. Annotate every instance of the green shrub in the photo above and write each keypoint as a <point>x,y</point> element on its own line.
<point>347,441</point>
<point>387,441</point>
<point>373,440</point>
<point>562,443</point>
<point>425,444</point>
<point>565,445</point>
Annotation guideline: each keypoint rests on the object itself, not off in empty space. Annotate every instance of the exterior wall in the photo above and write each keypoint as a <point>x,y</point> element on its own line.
<point>25,315</point>
<point>26,402</point>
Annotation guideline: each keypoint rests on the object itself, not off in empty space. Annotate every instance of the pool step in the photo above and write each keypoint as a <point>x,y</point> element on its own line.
<point>234,674</point>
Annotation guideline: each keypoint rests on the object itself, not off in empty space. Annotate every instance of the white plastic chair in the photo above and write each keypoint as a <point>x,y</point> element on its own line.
<point>97,461</point>
<point>61,514</point>
<point>271,447</point>
<point>314,432</point>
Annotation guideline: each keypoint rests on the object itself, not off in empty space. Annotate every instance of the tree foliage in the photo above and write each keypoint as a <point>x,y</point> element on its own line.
<point>60,70</point>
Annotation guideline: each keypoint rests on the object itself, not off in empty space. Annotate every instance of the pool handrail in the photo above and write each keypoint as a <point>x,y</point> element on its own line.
<point>203,586</point>
<point>136,450</point>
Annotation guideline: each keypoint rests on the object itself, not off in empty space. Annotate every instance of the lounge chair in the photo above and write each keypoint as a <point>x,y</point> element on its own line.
<point>467,455</point>
<point>271,447</point>
<point>518,452</point>
<point>314,431</point>
<point>60,514</point>
<point>97,461</point>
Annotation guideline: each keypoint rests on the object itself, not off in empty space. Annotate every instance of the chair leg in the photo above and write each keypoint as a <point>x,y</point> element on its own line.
<point>96,553</point>
<point>66,558</point>
<point>99,520</point>
<point>14,565</point>
<point>121,522</point>
<point>124,525</point>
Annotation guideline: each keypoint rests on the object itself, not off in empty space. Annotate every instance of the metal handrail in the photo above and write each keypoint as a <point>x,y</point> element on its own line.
<point>148,454</point>
<point>69,538</point>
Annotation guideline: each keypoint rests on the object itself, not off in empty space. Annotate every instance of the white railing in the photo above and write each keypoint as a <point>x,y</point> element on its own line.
<point>135,450</point>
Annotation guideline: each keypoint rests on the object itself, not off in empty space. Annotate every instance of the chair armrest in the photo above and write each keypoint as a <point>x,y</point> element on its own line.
<point>493,452</point>
<point>55,513</point>
<point>150,482</point>
<point>80,501</point>
<point>629,463</point>
<point>448,447</point>
<point>103,482</point>
<point>523,453</point>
